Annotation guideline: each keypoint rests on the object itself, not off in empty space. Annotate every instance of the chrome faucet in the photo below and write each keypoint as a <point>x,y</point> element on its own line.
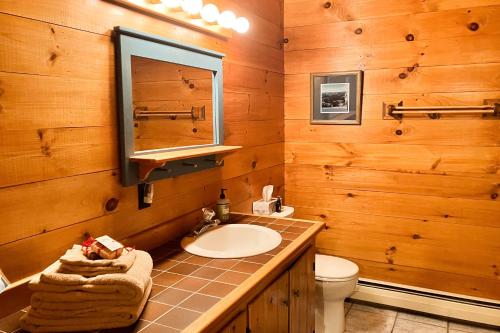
<point>207,222</point>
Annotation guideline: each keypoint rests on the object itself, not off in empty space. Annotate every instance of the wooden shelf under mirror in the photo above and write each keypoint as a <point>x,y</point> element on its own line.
<point>149,162</point>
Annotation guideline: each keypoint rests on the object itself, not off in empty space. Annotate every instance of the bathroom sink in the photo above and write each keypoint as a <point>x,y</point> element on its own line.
<point>232,241</point>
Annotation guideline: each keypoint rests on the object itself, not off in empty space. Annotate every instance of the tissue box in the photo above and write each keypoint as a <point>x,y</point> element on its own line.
<point>262,207</point>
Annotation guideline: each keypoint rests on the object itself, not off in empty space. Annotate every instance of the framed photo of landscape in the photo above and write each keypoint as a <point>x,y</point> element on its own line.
<point>336,98</point>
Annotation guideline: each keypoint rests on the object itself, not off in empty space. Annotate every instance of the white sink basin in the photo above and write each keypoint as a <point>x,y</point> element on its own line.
<point>232,241</point>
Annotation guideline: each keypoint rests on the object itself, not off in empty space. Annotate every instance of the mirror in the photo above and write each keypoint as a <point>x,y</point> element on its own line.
<point>169,103</point>
<point>172,105</point>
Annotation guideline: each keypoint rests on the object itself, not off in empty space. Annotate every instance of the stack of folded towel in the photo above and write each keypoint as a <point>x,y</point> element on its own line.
<point>78,294</point>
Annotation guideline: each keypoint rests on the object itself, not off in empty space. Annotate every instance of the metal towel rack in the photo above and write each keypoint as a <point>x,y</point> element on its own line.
<point>396,111</point>
<point>196,113</point>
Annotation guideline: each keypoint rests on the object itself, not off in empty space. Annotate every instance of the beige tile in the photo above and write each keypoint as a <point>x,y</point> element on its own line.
<point>460,328</point>
<point>198,260</point>
<point>208,273</point>
<point>408,326</point>
<point>167,279</point>
<point>156,289</point>
<point>374,309</point>
<point>217,289</point>
<point>368,322</point>
<point>155,328</point>
<point>178,318</point>
<point>172,296</point>
<point>223,263</point>
<point>153,310</point>
<point>165,264</point>
<point>200,303</point>
<point>295,229</point>
<point>155,272</point>
<point>184,269</point>
<point>191,284</point>
<point>422,319</point>
<point>233,277</point>
<point>246,267</point>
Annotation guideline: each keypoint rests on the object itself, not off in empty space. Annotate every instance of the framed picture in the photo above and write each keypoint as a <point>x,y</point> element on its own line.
<point>336,98</point>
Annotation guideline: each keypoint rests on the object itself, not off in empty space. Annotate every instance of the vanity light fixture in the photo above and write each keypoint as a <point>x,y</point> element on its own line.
<point>210,13</point>
<point>192,7</point>
<point>241,25</point>
<point>172,4</point>
<point>193,13</point>
<point>226,19</point>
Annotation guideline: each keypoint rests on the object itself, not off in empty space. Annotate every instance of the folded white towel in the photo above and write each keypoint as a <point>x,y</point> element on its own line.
<point>130,286</point>
<point>36,322</point>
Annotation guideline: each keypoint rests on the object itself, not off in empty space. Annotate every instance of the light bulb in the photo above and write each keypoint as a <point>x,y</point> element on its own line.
<point>210,13</point>
<point>226,19</point>
<point>241,25</point>
<point>192,7</point>
<point>172,4</point>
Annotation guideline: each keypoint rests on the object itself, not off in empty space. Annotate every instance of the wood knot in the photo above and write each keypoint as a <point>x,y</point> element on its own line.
<point>416,236</point>
<point>474,26</point>
<point>410,38</point>
<point>111,204</point>
<point>285,40</point>
<point>323,216</point>
<point>446,216</point>
<point>53,56</point>
<point>136,124</point>
<point>350,195</point>
<point>114,173</point>
<point>45,149</point>
<point>254,164</point>
<point>494,196</point>
<point>399,132</point>
<point>327,4</point>
<point>191,85</point>
<point>358,31</point>
<point>195,130</point>
<point>402,76</point>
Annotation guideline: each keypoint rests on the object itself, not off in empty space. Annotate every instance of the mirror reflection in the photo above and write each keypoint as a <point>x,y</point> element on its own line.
<point>172,105</point>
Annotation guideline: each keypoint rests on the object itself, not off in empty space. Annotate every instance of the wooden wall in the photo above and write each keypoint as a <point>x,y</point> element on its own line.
<point>420,208</point>
<point>58,128</point>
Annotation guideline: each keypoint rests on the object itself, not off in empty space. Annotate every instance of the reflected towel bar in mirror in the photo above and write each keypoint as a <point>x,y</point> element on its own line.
<point>196,113</point>
<point>397,110</point>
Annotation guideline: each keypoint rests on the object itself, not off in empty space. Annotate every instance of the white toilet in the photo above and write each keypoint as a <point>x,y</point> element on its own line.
<point>336,279</point>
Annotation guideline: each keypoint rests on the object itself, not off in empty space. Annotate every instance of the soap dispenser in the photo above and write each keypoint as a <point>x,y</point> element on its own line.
<point>222,207</point>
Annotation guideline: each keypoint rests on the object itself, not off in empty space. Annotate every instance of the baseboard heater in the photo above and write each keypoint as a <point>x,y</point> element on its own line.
<point>443,304</point>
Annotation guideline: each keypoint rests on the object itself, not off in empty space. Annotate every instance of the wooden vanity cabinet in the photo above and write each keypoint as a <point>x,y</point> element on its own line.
<point>286,305</point>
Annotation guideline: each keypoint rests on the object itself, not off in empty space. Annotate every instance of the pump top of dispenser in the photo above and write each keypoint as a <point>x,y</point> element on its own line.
<point>222,194</point>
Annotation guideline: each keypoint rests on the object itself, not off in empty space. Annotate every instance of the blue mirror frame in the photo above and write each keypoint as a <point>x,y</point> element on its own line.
<point>130,43</point>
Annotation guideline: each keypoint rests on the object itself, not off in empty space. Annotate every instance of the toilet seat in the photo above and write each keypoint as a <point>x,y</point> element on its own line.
<point>330,268</point>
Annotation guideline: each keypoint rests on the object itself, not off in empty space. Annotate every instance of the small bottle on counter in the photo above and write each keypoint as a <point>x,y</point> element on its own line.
<point>222,207</point>
<point>279,204</point>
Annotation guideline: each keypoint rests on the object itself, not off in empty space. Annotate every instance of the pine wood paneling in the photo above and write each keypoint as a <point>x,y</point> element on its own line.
<point>412,201</point>
<point>59,137</point>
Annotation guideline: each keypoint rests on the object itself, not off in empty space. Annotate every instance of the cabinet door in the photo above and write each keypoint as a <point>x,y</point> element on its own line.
<point>237,325</point>
<point>302,291</point>
<point>269,311</point>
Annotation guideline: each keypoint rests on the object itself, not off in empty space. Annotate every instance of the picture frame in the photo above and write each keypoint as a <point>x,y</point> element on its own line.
<point>336,98</point>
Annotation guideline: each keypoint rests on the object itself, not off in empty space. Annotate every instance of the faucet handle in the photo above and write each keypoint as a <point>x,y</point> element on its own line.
<point>208,214</point>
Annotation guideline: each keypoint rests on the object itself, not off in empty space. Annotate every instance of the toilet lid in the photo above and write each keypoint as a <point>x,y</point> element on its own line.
<point>330,267</point>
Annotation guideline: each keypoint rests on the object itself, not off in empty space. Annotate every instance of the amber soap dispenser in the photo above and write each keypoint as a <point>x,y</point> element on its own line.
<point>222,207</point>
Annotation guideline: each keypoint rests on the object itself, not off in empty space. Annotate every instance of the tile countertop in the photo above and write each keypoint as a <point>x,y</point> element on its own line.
<point>189,292</point>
